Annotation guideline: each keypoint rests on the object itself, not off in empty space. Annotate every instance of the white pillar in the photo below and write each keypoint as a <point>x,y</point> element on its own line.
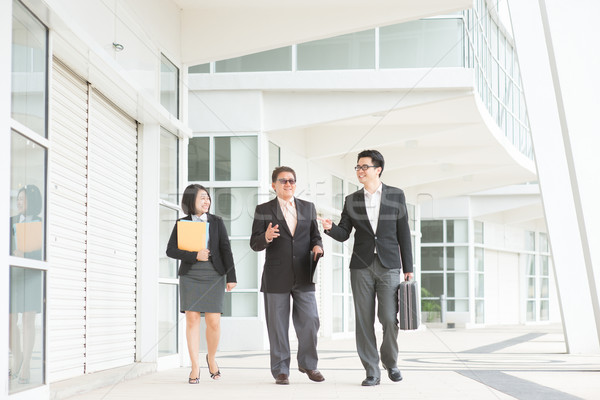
<point>148,240</point>
<point>5,95</point>
<point>552,40</point>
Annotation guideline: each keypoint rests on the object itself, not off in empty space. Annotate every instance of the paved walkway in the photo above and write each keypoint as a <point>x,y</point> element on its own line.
<point>514,362</point>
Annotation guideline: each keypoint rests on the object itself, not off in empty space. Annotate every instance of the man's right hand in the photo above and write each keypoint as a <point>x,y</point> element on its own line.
<point>326,222</point>
<point>272,232</point>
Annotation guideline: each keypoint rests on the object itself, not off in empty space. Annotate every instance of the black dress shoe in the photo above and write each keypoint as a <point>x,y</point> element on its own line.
<point>282,379</point>
<point>394,374</point>
<point>370,381</point>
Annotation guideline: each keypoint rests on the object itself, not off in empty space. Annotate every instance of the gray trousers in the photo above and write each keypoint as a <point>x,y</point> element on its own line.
<point>382,283</point>
<point>305,317</point>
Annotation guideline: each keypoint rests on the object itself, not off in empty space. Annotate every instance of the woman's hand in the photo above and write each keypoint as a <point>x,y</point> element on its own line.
<point>230,286</point>
<point>203,255</point>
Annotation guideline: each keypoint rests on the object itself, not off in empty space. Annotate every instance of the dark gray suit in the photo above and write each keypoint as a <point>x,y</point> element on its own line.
<point>286,274</point>
<point>376,276</point>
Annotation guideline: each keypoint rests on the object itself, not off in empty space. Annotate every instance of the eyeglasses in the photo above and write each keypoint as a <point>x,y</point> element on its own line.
<point>284,181</point>
<point>364,167</point>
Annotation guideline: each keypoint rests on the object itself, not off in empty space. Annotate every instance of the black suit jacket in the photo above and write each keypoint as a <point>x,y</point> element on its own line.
<point>392,238</point>
<point>287,261</point>
<point>219,246</point>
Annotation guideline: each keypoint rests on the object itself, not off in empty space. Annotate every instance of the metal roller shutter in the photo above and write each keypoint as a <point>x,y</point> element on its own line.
<point>112,236</point>
<point>67,225</point>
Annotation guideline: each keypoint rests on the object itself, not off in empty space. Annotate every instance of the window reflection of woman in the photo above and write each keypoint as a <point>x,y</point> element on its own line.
<point>25,287</point>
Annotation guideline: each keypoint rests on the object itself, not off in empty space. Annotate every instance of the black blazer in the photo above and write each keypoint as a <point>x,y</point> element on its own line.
<point>219,246</point>
<point>287,261</point>
<point>392,238</point>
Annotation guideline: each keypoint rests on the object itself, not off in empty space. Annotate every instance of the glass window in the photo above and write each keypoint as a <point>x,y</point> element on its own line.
<point>422,43</point>
<point>457,258</point>
<point>352,188</point>
<point>26,329</point>
<point>458,305</point>
<point>169,162</point>
<point>479,312</point>
<point>274,157</point>
<point>433,285</point>
<point>337,274</point>
<point>432,232</point>
<point>236,158</point>
<point>199,159</point>
<point>337,308</point>
<point>238,304</point>
<point>479,285</point>
<point>168,318</point>
<point>199,69</point>
<point>271,60</point>
<point>544,247</point>
<point>236,207</point>
<point>544,310</point>
<point>529,240</point>
<point>351,51</point>
<point>337,192</point>
<point>479,265</point>
<point>246,264</point>
<point>530,264</point>
<point>28,189</point>
<point>432,258</point>
<point>29,70</point>
<point>169,86</point>
<point>167,267</point>
<point>457,231</point>
<point>478,226</point>
<point>458,285</point>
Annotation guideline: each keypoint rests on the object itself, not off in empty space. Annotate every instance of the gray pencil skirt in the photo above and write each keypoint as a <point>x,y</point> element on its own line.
<point>202,289</point>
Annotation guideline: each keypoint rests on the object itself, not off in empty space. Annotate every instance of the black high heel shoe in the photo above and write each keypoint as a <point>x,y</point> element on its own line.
<point>194,381</point>
<point>216,375</point>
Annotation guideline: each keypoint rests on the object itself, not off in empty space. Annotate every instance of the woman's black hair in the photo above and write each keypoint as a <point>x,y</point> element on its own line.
<point>33,197</point>
<point>188,200</point>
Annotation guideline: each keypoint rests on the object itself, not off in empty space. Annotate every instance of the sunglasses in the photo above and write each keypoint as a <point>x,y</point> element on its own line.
<point>284,181</point>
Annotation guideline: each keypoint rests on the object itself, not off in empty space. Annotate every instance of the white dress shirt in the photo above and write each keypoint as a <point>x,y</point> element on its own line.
<point>373,204</point>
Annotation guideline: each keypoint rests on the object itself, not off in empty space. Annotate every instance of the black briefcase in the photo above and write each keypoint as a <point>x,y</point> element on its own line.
<point>408,305</point>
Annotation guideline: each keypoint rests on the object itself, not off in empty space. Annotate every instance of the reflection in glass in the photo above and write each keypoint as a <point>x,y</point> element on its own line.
<point>28,174</point>
<point>458,285</point>
<point>167,319</point>
<point>457,231</point>
<point>167,267</point>
<point>274,156</point>
<point>29,66</point>
<point>457,258</point>
<point>26,328</point>
<point>433,284</point>
<point>169,162</point>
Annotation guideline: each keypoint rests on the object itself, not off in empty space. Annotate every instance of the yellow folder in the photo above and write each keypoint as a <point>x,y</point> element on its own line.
<point>192,235</point>
<point>29,236</point>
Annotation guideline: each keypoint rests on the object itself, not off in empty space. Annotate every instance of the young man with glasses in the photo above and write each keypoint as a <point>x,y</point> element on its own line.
<point>382,248</point>
<point>287,228</point>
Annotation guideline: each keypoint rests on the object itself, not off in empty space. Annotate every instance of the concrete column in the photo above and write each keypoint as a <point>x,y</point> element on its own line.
<point>561,92</point>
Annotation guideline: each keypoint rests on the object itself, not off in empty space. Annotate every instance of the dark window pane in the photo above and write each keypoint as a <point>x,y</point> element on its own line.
<point>432,258</point>
<point>432,232</point>
<point>199,159</point>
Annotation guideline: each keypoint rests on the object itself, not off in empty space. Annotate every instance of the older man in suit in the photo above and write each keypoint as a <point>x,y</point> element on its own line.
<point>287,228</point>
<point>382,248</point>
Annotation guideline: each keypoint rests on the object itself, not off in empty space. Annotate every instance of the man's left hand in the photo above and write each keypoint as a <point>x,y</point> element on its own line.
<point>317,250</point>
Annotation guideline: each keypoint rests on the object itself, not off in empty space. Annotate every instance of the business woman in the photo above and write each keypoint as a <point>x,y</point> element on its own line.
<point>203,277</point>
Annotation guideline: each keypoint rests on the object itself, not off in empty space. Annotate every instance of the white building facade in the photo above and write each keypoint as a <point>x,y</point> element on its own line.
<point>112,108</point>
